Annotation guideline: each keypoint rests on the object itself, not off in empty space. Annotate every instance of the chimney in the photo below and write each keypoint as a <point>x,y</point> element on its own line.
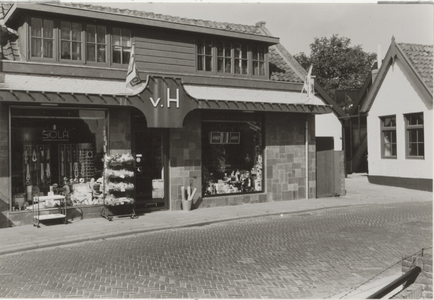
<point>375,71</point>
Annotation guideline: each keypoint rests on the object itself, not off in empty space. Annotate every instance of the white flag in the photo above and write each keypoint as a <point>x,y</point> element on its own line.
<point>309,85</point>
<point>133,78</point>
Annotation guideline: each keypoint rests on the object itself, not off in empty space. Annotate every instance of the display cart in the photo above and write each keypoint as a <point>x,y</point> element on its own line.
<point>38,200</point>
<point>118,186</point>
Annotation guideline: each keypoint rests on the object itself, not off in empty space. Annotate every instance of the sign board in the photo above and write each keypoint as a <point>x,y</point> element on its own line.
<point>217,137</point>
<point>157,188</point>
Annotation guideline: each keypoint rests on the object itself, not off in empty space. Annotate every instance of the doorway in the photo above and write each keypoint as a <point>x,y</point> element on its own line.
<point>151,171</point>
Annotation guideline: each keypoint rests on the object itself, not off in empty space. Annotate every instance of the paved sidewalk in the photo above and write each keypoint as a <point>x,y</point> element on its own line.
<point>359,192</point>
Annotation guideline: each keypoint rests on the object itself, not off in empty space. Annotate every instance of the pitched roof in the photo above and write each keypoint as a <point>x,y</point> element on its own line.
<point>416,58</point>
<point>421,58</point>
<point>250,29</point>
<point>284,67</point>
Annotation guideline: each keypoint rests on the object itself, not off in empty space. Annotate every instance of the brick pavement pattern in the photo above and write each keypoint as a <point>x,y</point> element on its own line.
<point>315,254</point>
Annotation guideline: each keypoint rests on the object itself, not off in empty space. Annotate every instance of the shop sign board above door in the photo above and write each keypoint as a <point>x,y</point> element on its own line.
<point>170,101</point>
<point>165,102</point>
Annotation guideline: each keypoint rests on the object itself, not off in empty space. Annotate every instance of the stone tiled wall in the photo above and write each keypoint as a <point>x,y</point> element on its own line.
<point>185,159</point>
<point>4,166</point>
<point>285,166</point>
<point>285,155</point>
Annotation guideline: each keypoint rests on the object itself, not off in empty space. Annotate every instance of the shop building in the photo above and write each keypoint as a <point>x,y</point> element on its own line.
<point>214,109</point>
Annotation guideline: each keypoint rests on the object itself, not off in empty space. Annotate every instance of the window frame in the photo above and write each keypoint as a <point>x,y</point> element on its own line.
<point>53,39</point>
<point>235,119</point>
<point>107,46</point>
<point>224,57</point>
<point>201,43</point>
<point>242,59</point>
<point>111,38</point>
<point>57,42</point>
<point>391,129</point>
<point>414,127</point>
<point>258,60</point>
<point>71,41</point>
<point>215,57</point>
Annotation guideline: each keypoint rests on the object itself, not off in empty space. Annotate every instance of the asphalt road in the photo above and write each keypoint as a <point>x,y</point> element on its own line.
<point>315,254</point>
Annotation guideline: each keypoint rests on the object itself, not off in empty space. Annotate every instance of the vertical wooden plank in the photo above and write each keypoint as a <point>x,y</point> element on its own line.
<point>339,177</point>
<point>325,173</point>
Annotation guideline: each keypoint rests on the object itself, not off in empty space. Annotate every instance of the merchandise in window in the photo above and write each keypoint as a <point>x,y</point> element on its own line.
<point>96,43</point>
<point>232,157</point>
<point>415,135</point>
<point>388,128</point>
<point>42,38</point>
<point>70,44</point>
<point>57,152</point>
<point>121,40</point>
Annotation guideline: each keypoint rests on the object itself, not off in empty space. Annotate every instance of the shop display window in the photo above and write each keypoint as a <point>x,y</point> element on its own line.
<point>232,157</point>
<point>57,151</point>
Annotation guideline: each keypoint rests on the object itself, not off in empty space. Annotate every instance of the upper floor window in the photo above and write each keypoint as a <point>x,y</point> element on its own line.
<point>67,41</point>
<point>121,41</point>
<point>204,56</point>
<point>96,43</point>
<point>224,57</point>
<point>231,58</point>
<point>258,58</point>
<point>42,38</point>
<point>241,61</point>
<point>388,136</point>
<point>414,135</point>
<point>70,41</point>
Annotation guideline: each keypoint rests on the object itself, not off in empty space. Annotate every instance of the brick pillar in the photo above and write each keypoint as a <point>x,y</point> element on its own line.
<point>4,166</point>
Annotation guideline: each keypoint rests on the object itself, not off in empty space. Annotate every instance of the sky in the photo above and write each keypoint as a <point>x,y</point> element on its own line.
<point>297,24</point>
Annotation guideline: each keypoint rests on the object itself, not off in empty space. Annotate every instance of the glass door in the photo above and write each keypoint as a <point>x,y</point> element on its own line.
<point>151,168</point>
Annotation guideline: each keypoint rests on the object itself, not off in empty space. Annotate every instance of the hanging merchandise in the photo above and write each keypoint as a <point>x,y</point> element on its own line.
<point>68,155</point>
<point>34,157</point>
<point>26,162</point>
<point>47,169</point>
<point>42,172</point>
<point>62,167</point>
<point>28,175</point>
<point>76,170</point>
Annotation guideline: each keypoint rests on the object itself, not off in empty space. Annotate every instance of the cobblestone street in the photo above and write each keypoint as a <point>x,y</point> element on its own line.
<point>315,254</point>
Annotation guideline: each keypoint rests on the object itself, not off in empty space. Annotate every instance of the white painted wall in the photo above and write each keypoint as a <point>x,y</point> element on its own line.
<point>399,95</point>
<point>327,125</point>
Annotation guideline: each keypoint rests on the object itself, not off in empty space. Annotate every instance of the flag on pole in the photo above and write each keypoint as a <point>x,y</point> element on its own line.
<point>133,78</point>
<point>309,85</point>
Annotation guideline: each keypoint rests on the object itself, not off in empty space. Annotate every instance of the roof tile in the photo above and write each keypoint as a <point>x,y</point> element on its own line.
<point>279,69</point>
<point>250,29</point>
<point>421,58</point>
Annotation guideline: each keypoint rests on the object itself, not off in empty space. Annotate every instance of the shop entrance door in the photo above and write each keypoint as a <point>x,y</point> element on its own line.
<point>151,169</point>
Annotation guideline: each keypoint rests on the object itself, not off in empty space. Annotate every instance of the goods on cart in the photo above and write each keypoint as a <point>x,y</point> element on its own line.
<point>118,188</point>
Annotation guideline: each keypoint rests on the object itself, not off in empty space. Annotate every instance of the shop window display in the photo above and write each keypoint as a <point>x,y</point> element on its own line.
<point>57,151</point>
<point>232,157</point>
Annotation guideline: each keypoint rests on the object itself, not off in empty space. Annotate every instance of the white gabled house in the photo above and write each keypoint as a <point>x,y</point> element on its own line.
<point>399,118</point>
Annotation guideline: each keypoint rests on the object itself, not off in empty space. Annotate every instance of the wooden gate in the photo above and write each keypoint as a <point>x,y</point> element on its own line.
<point>328,173</point>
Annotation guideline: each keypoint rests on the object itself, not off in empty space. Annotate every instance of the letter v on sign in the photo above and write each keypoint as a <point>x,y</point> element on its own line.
<point>155,103</point>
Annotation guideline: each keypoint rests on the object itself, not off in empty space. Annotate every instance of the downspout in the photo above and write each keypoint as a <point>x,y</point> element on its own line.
<point>307,159</point>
